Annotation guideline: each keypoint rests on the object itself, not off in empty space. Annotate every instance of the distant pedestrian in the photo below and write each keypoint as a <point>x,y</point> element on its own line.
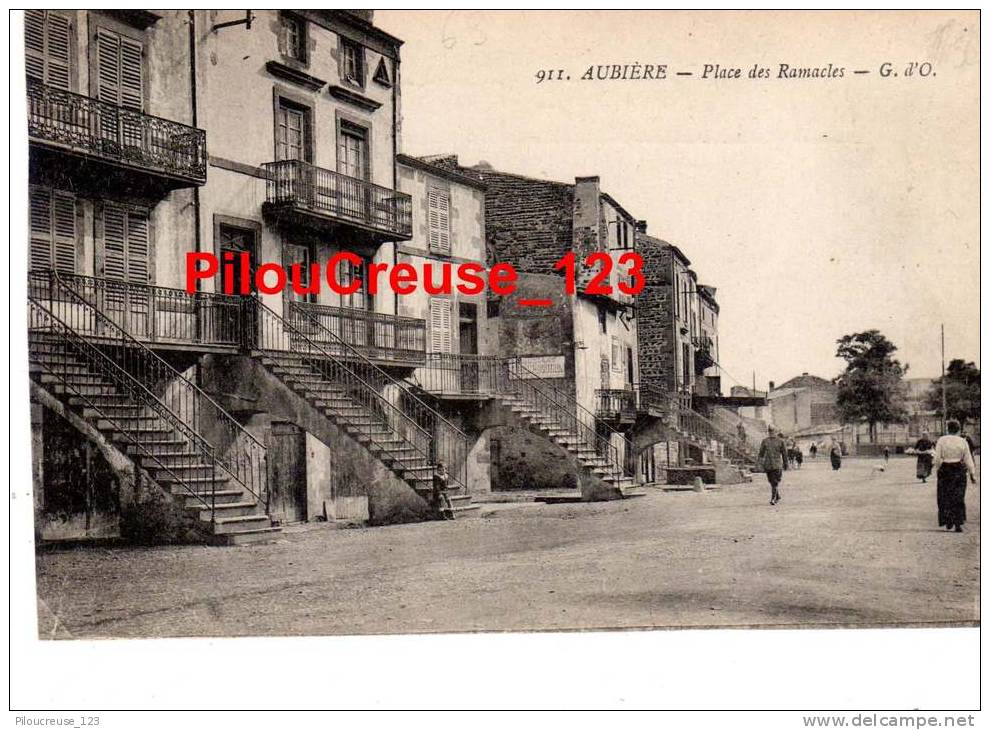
<point>886,454</point>
<point>813,450</point>
<point>925,450</point>
<point>953,460</point>
<point>442,508</point>
<point>773,459</point>
<point>835,455</point>
<point>794,453</point>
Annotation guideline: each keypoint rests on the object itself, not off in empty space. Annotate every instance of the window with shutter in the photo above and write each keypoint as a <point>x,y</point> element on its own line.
<point>439,212</point>
<point>616,354</point>
<point>48,47</point>
<point>120,72</point>
<point>441,332</point>
<point>126,244</point>
<point>52,225</point>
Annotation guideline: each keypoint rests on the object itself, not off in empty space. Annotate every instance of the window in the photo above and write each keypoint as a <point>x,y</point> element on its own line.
<point>685,365</point>
<point>126,244</point>
<point>352,150</point>
<point>119,70</point>
<point>291,131</point>
<point>602,320</point>
<point>351,62</point>
<point>48,47</point>
<point>439,209</point>
<point>293,36</point>
<point>441,333</point>
<point>616,355</point>
<point>293,253</point>
<point>52,225</point>
<point>360,299</point>
<point>621,233</point>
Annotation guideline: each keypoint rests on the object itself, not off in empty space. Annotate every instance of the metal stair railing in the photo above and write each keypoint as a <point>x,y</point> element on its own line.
<point>564,411</point>
<point>433,437</point>
<point>67,347</point>
<point>688,421</point>
<point>141,373</point>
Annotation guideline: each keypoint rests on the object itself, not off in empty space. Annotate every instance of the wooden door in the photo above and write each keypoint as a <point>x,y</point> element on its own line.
<point>287,457</point>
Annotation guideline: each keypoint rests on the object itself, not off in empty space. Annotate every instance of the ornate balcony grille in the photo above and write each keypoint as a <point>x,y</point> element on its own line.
<point>114,133</point>
<point>339,198</point>
<point>377,336</point>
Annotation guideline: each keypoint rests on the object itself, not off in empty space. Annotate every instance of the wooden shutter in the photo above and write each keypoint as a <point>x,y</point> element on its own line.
<point>126,244</point>
<point>48,47</point>
<point>439,212</point>
<point>441,331</point>
<point>120,70</point>
<point>40,226</point>
<point>64,225</point>
<point>52,227</point>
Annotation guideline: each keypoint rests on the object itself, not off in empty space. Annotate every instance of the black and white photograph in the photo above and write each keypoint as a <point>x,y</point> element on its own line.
<point>410,323</point>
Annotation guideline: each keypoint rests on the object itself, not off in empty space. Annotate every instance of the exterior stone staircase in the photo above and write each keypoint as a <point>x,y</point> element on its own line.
<point>377,411</point>
<point>170,453</point>
<point>731,458</point>
<point>560,419</point>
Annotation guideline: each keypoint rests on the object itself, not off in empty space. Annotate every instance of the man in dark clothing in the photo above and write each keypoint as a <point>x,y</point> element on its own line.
<point>773,459</point>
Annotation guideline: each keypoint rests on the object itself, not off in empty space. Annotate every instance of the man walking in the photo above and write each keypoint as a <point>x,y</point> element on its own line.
<point>773,459</point>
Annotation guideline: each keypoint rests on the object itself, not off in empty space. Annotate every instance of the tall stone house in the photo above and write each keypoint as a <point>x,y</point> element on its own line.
<point>273,137</point>
<point>571,358</point>
<point>272,134</point>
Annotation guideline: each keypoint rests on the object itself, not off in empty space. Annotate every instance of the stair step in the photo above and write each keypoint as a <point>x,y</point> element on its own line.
<point>221,496</point>
<point>247,537</point>
<point>226,509</point>
<point>228,525</point>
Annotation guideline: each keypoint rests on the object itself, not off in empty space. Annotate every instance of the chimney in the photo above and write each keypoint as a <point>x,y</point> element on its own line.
<point>640,226</point>
<point>587,208</point>
<point>804,375</point>
<point>771,385</point>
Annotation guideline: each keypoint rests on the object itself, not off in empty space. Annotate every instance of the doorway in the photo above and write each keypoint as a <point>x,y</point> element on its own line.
<point>287,459</point>
<point>467,336</point>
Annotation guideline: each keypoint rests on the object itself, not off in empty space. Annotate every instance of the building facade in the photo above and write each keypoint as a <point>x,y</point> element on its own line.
<point>267,139</point>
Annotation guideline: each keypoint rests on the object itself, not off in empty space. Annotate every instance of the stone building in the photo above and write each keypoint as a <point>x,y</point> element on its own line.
<point>265,138</point>
<point>571,359</point>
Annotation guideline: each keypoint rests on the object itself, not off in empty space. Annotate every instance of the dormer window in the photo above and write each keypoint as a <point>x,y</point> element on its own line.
<point>352,62</point>
<point>294,37</point>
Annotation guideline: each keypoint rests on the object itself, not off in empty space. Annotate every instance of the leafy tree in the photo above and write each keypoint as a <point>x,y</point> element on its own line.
<point>962,392</point>
<point>870,390</point>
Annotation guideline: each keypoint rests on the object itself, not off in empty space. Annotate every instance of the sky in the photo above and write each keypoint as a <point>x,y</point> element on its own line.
<point>817,207</point>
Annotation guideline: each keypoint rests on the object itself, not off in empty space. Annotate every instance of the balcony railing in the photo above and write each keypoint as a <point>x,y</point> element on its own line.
<point>116,134</point>
<point>617,404</point>
<point>149,313</point>
<point>377,336</point>
<point>339,198</point>
<point>454,374</point>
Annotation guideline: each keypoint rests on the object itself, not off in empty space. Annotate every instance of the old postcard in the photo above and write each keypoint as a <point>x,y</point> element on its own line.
<point>407,322</point>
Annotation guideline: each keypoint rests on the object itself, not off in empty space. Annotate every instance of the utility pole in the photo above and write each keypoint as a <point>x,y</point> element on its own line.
<point>944,414</point>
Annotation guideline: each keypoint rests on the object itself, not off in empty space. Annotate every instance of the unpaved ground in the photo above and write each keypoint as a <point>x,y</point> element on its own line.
<point>845,548</point>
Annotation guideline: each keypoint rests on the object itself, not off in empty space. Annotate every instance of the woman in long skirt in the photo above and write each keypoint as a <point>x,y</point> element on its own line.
<point>953,461</point>
<point>835,455</point>
<point>926,454</point>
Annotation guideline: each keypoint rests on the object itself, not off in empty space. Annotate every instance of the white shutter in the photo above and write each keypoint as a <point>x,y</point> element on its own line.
<point>441,334</point>
<point>438,205</point>
<point>48,47</point>
<point>443,208</point>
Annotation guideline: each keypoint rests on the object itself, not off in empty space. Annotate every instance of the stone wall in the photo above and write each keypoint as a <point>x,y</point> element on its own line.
<point>655,316</point>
